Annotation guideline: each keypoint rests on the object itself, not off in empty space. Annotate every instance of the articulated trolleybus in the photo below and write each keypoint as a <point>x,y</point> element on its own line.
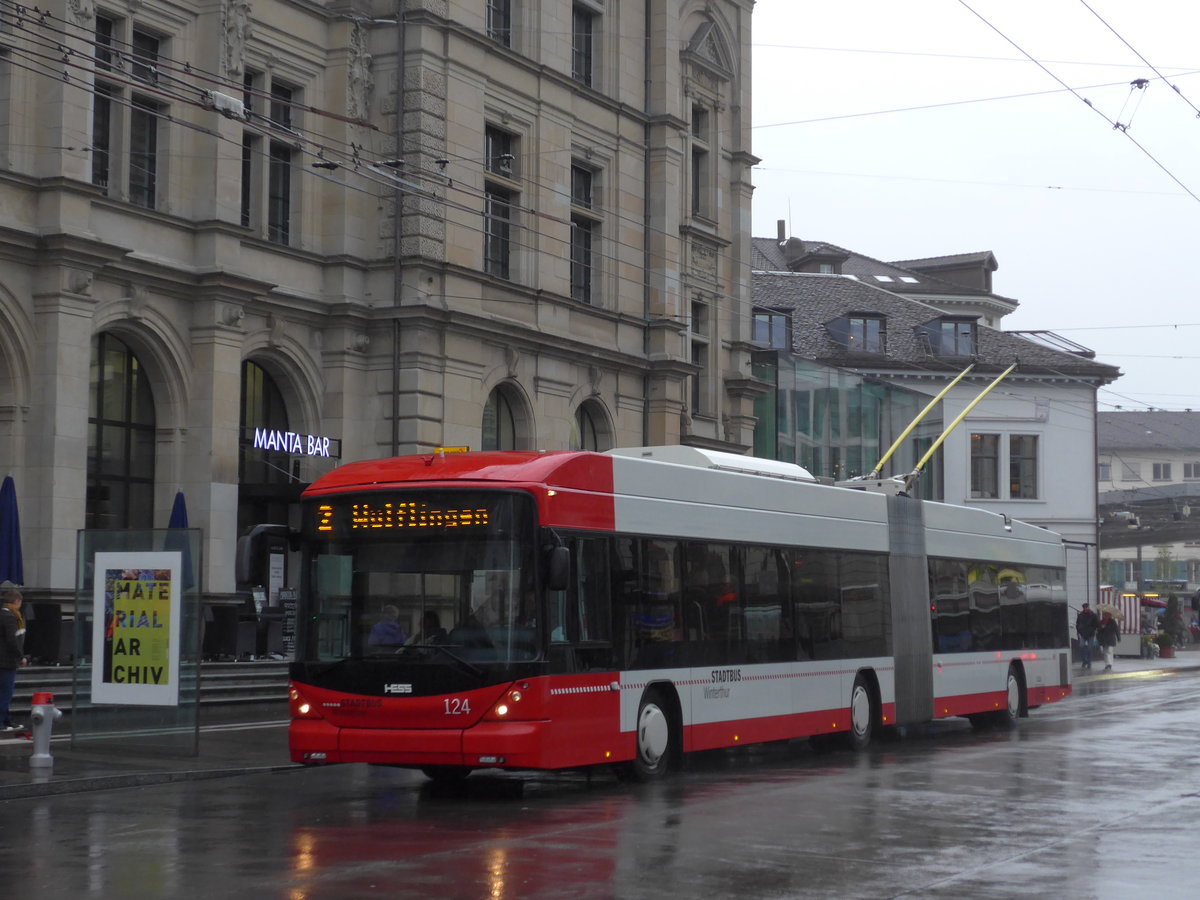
<point>558,610</point>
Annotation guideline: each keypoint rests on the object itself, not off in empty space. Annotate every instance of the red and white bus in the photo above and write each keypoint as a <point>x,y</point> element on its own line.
<point>558,610</point>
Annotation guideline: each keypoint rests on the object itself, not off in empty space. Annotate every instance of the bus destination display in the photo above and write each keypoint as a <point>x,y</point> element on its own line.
<point>366,515</point>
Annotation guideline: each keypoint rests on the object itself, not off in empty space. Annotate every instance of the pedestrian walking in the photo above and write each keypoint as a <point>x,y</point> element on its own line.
<point>1086,624</point>
<point>12,648</point>
<point>1107,634</point>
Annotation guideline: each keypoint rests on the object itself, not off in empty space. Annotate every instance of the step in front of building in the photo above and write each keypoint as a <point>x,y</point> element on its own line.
<point>248,681</point>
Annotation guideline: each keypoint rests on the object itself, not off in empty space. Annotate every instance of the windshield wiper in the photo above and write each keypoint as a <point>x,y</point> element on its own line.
<point>469,666</point>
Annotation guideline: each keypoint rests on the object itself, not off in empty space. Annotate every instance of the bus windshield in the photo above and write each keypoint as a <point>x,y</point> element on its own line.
<point>420,574</point>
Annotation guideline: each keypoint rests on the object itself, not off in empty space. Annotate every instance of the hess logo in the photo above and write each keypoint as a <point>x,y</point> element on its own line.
<point>397,688</point>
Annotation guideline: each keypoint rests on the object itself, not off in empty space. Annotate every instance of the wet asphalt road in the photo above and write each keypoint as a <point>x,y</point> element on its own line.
<point>1091,798</point>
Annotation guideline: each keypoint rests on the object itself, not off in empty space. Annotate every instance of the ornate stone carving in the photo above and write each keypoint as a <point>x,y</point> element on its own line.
<point>81,12</point>
<point>79,282</point>
<point>278,331</point>
<point>235,22</point>
<point>708,46</point>
<point>137,300</point>
<point>360,81</point>
<point>704,259</point>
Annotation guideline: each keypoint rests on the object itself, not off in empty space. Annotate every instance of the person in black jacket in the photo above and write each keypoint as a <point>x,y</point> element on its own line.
<point>1107,634</point>
<point>12,648</point>
<point>1086,624</point>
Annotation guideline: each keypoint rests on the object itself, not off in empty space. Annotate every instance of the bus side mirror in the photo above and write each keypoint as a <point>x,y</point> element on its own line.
<point>558,568</point>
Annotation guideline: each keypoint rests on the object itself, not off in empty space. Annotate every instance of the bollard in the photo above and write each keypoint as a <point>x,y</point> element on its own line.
<point>43,714</point>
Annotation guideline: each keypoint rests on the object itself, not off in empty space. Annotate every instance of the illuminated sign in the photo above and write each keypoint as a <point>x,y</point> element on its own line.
<point>291,442</point>
<point>366,516</point>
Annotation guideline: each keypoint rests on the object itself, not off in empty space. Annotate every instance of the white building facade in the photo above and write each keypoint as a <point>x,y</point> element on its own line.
<point>879,340</point>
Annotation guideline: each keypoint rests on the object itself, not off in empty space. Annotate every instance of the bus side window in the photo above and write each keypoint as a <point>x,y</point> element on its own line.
<point>817,598</point>
<point>866,614</point>
<point>654,615</point>
<point>626,589</point>
<point>580,613</point>
<point>587,607</point>
<point>593,594</point>
<point>556,611</point>
<point>949,605</point>
<point>985,608</point>
<point>712,608</point>
<point>767,605</point>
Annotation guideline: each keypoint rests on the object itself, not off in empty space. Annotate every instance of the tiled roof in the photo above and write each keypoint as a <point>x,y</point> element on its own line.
<point>1151,430</point>
<point>814,300</point>
<point>768,255</point>
<point>983,256</point>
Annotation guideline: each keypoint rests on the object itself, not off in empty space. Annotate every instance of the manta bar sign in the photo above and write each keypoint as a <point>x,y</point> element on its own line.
<point>291,442</point>
<point>135,639</point>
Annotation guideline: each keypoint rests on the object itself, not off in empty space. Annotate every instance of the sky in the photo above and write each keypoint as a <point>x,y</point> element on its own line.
<point>903,130</point>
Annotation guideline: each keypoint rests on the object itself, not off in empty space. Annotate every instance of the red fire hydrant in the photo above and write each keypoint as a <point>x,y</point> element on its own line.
<point>42,714</point>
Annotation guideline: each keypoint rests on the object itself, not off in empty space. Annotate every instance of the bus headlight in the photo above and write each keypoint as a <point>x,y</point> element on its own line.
<point>299,706</point>
<point>506,705</point>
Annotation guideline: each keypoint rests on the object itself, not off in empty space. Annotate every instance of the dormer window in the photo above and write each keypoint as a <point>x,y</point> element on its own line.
<point>772,328</point>
<point>958,338</point>
<point>950,336</point>
<point>859,332</point>
<point>866,334</point>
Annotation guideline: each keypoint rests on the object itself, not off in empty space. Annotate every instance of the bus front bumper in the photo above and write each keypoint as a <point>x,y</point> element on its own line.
<point>506,744</point>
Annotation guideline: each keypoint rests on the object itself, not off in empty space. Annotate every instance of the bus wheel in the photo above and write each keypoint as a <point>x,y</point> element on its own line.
<point>446,774</point>
<point>862,715</point>
<point>1007,717</point>
<point>654,738</point>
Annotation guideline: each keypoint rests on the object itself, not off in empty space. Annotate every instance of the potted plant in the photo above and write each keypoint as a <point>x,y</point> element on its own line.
<point>1150,649</point>
<point>1166,644</point>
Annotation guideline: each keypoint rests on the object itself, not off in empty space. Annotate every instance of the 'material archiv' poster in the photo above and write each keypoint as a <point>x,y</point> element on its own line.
<point>135,637</point>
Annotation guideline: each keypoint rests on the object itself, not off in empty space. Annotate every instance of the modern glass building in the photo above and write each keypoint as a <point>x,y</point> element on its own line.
<point>838,424</point>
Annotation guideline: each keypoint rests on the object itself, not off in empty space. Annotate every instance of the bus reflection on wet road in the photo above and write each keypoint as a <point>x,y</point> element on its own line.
<point>1079,802</point>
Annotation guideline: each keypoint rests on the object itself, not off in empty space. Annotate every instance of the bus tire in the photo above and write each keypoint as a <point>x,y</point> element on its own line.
<point>445,774</point>
<point>863,714</point>
<point>656,738</point>
<point>1008,716</point>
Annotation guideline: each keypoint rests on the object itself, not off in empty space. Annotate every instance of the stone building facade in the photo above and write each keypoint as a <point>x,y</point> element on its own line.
<point>203,278</point>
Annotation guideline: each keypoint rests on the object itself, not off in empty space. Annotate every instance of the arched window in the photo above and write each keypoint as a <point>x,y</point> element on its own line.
<point>499,423</point>
<point>263,409</point>
<point>266,478</point>
<point>121,435</point>
<point>590,429</point>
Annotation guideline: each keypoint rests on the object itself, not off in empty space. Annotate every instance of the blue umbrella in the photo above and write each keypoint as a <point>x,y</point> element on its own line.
<point>179,519</point>
<point>178,512</point>
<point>11,566</point>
